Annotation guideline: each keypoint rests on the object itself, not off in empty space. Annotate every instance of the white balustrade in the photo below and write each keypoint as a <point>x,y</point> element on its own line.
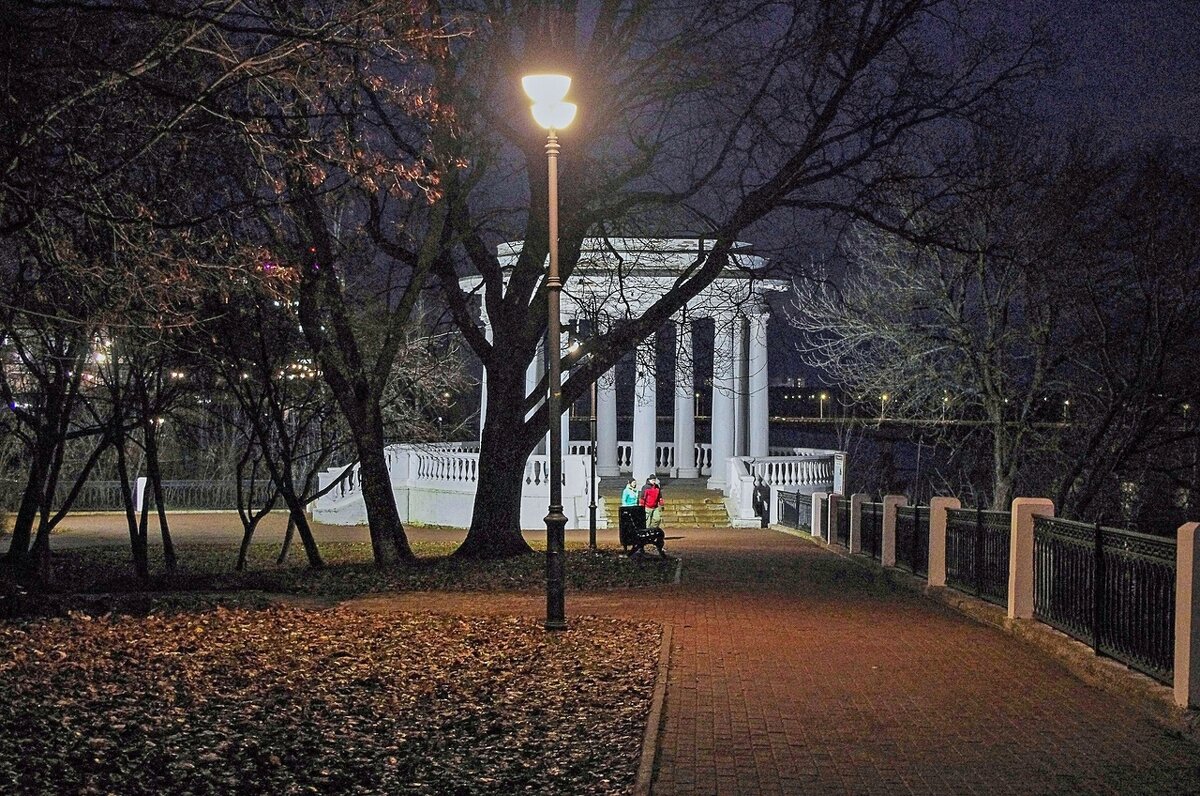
<point>625,456</point>
<point>434,483</point>
<point>665,457</point>
<point>807,473</point>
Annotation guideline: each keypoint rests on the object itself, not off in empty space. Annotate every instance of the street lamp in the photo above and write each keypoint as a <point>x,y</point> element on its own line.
<point>824,397</point>
<point>553,113</point>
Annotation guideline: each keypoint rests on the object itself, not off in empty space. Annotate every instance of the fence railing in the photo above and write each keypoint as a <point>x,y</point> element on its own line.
<point>1111,588</point>
<point>912,539</point>
<point>1117,590</point>
<point>206,495</point>
<point>843,523</point>
<point>795,509</point>
<point>93,496</point>
<point>977,546</point>
<point>178,495</point>
<point>870,530</point>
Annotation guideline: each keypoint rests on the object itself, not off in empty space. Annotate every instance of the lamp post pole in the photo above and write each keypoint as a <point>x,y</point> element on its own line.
<point>551,112</point>
<point>556,521</point>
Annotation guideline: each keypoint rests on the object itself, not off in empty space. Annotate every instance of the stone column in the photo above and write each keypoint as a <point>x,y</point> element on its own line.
<point>1020,554</point>
<point>1187,615</point>
<point>856,501</point>
<point>833,521</point>
<point>606,425</point>
<point>482,402</point>
<point>564,419</point>
<point>740,397</point>
<point>645,398</point>
<point>722,402</point>
<point>819,526</point>
<point>533,375</point>
<point>759,409</point>
<point>487,333</point>
<point>891,505</point>
<point>938,507</point>
<point>685,403</point>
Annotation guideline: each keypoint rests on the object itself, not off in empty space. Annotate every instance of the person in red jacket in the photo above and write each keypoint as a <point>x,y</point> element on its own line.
<point>652,499</point>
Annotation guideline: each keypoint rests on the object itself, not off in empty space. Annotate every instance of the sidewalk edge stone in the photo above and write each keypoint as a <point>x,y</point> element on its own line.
<point>645,772</point>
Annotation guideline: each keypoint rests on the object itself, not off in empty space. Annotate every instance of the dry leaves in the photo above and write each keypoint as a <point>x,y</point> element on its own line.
<point>285,701</point>
<point>351,571</point>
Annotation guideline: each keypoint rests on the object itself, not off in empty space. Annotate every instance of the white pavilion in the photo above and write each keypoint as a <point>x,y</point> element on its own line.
<point>615,280</point>
<point>620,278</point>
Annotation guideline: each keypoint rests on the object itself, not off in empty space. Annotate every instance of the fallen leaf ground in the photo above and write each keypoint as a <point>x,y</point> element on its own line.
<point>283,700</point>
<point>200,682</point>
<point>350,571</point>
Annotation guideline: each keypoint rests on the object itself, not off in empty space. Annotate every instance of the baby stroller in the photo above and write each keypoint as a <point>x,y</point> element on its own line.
<point>635,534</point>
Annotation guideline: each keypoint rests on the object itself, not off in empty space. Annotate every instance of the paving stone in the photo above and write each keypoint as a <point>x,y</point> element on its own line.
<point>794,671</point>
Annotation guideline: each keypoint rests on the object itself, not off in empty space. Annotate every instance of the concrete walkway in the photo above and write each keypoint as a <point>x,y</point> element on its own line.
<point>796,671</point>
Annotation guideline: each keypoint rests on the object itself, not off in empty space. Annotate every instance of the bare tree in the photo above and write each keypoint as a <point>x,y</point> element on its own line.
<point>1134,307</point>
<point>951,312</point>
<point>720,117</point>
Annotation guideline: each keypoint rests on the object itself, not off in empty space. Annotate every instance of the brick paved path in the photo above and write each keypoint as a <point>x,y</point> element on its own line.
<point>795,671</point>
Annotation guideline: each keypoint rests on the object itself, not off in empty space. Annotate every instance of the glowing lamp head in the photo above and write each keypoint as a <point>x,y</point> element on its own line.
<point>548,93</point>
<point>553,115</point>
<point>546,88</point>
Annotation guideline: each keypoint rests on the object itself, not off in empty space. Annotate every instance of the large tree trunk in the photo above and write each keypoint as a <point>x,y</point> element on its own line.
<point>308,540</point>
<point>154,474</point>
<point>495,530</point>
<point>1003,459</point>
<point>287,540</point>
<point>137,539</point>
<point>388,541</point>
<point>281,472</point>
<point>35,484</point>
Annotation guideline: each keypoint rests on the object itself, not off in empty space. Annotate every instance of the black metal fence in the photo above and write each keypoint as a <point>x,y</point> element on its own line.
<point>977,549</point>
<point>843,521</point>
<point>1111,588</point>
<point>93,496</point>
<point>206,495</point>
<point>871,530</point>
<point>177,495</point>
<point>912,539</point>
<point>789,509</point>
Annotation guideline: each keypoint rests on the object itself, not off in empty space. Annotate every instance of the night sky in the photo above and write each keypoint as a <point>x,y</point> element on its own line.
<point>1133,66</point>
<point>1130,68</point>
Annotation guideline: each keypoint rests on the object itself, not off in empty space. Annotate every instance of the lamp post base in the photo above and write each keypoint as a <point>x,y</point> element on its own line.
<point>556,525</point>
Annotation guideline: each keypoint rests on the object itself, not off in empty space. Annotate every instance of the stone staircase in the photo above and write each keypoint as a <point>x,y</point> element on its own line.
<point>689,504</point>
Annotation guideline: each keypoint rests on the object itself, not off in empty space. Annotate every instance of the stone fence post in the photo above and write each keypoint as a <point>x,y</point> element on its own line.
<point>1020,554</point>
<point>856,501</point>
<point>891,504</point>
<point>835,500</point>
<point>938,507</point>
<point>1187,615</point>
<point>819,518</point>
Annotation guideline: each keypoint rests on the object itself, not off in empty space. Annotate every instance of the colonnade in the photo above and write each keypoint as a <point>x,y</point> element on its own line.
<point>739,421</point>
